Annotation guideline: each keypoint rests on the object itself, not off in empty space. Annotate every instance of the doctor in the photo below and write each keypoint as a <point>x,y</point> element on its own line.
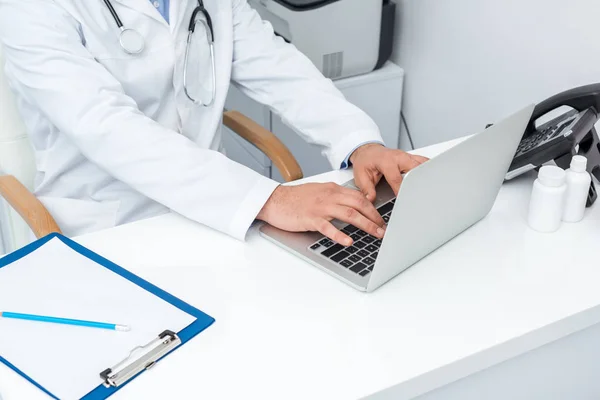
<point>123,101</point>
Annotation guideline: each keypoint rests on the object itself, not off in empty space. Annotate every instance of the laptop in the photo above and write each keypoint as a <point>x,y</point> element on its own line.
<point>437,201</point>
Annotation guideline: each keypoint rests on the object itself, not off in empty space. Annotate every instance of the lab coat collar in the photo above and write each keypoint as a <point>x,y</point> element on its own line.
<point>145,7</point>
<point>176,12</point>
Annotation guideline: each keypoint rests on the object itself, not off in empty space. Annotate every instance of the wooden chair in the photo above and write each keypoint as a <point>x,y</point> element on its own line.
<point>17,169</point>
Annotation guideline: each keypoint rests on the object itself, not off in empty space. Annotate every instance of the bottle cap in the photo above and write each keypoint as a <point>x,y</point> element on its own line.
<point>552,176</point>
<point>578,164</point>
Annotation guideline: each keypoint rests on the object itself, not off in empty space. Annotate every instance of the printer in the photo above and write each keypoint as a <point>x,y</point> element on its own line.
<point>341,37</point>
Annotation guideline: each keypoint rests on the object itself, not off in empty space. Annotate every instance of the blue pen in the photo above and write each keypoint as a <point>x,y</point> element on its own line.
<point>65,321</point>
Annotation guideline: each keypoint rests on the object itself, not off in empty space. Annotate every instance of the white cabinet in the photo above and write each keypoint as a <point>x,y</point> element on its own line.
<point>379,94</point>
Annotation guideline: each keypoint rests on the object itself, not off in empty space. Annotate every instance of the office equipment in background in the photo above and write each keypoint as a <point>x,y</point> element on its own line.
<point>341,37</point>
<point>378,93</point>
<point>437,201</point>
<point>569,134</point>
<point>56,275</point>
<point>65,321</point>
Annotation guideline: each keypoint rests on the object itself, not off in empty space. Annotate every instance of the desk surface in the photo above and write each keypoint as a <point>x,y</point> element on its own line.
<point>287,330</point>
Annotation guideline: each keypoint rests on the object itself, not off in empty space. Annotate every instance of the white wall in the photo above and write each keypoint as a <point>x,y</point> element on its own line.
<point>472,62</point>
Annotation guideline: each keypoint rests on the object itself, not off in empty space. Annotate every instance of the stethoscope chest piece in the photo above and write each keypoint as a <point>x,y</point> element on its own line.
<point>131,41</point>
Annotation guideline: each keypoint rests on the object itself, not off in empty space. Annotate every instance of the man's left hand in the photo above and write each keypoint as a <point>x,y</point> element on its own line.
<point>373,161</point>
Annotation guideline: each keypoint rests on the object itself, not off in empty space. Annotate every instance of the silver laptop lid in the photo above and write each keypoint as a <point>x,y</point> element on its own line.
<point>443,197</point>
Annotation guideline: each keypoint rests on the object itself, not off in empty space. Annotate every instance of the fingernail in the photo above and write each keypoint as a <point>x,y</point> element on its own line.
<point>348,242</point>
<point>380,231</point>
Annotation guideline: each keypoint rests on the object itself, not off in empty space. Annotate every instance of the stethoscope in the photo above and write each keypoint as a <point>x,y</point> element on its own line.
<point>132,42</point>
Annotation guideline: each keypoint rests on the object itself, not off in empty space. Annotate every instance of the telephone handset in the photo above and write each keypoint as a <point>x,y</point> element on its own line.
<point>569,134</point>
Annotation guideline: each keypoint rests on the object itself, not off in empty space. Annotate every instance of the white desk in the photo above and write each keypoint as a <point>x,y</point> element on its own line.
<point>285,330</point>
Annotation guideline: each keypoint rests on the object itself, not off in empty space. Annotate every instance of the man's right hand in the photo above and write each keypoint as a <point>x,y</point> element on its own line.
<point>312,207</point>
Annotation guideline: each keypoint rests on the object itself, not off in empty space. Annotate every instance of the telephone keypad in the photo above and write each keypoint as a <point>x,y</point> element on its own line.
<point>542,137</point>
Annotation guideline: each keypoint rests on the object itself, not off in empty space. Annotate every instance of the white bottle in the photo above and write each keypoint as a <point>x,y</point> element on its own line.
<point>547,199</point>
<point>578,186</point>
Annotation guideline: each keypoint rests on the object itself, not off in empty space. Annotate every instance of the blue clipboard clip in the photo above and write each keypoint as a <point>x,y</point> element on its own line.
<point>140,359</point>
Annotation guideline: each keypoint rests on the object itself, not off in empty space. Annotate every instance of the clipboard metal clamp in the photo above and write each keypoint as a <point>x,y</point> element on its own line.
<point>140,359</point>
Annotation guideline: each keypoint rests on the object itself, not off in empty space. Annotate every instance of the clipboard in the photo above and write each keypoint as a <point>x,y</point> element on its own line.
<point>144,355</point>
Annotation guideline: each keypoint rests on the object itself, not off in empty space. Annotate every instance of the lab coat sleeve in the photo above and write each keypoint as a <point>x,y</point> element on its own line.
<point>275,73</point>
<point>51,69</point>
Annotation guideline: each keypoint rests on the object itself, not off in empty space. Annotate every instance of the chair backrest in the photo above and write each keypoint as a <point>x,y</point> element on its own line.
<point>17,159</point>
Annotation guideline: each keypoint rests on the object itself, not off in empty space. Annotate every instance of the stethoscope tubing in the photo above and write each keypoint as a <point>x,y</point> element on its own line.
<point>114,14</point>
<point>208,26</point>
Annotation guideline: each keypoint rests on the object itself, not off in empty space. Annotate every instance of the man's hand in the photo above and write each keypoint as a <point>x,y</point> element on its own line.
<point>373,161</point>
<point>312,207</point>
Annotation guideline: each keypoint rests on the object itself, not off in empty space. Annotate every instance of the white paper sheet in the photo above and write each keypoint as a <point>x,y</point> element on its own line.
<point>57,281</point>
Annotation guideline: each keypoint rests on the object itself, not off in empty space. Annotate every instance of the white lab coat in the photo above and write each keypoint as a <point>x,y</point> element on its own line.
<point>115,138</point>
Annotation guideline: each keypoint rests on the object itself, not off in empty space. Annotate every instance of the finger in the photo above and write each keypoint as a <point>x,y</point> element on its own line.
<point>352,216</point>
<point>406,162</point>
<point>365,183</point>
<point>366,208</point>
<point>419,159</point>
<point>393,176</point>
<point>327,229</point>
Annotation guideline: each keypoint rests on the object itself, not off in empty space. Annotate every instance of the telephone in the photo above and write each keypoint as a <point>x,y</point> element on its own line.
<point>561,138</point>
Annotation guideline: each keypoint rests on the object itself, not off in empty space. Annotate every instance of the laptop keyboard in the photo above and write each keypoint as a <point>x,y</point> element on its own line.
<point>361,256</point>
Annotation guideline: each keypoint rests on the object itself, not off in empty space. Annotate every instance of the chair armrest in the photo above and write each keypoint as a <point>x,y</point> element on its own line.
<point>266,142</point>
<point>28,206</point>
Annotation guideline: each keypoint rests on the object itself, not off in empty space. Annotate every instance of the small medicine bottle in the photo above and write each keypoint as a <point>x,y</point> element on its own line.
<point>578,186</point>
<point>547,199</point>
